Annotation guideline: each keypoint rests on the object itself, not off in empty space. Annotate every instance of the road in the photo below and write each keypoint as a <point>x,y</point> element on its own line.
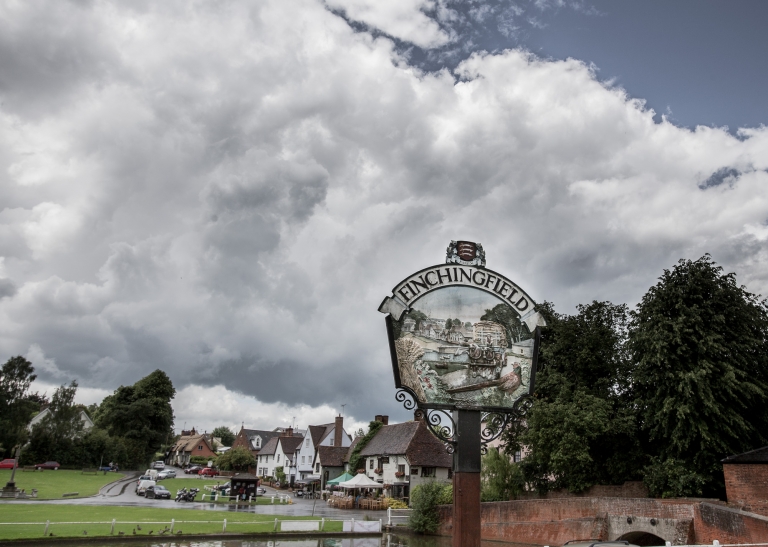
<point>121,493</point>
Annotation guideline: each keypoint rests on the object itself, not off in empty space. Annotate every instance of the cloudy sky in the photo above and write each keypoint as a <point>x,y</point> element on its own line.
<point>226,190</point>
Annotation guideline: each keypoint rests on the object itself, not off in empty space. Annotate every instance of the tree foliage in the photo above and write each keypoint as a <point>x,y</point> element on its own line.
<point>17,405</point>
<point>424,501</point>
<point>225,434</point>
<point>582,429</point>
<point>501,479</point>
<point>237,459</point>
<point>141,414</point>
<point>700,346</point>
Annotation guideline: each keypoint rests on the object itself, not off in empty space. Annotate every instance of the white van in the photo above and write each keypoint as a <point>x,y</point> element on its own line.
<point>142,487</point>
<point>152,473</point>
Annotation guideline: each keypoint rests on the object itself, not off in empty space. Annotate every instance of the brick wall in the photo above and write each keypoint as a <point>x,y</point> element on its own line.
<point>746,486</point>
<point>630,489</point>
<point>556,521</point>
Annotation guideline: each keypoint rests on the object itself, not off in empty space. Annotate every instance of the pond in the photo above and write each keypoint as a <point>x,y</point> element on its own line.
<point>386,540</point>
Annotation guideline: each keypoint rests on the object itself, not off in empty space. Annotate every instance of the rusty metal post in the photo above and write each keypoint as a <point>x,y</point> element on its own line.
<point>466,479</point>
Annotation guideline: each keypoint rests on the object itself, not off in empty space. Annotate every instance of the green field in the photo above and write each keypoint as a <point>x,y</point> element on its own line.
<point>72,520</point>
<point>53,484</point>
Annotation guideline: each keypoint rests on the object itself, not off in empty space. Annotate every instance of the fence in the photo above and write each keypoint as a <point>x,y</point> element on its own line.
<point>170,528</point>
<point>395,516</point>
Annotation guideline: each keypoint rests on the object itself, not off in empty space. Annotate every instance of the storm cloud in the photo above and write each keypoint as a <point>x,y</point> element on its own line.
<point>226,191</point>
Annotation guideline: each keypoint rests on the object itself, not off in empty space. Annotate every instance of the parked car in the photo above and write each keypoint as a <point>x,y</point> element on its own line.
<point>48,465</point>
<point>260,491</point>
<point>192,470</point>
<point>207,472</point>
<point>143,478</point>
<point>7,463</point>
<point>167,474</point>
<point>157,492</point>
<point>159,464</point>
<point>143,485</point>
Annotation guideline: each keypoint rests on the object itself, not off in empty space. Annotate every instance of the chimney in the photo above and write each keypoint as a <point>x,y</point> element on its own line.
<point>288,432</point>
<point>383,419</point>
<point>337,432</point>
<point>418,416</point>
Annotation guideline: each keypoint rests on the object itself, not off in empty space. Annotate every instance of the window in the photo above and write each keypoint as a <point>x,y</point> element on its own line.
<point>401,469</point>
<point>384,459</point>
<point>331,442</point>
<point>200,447</point>
<point>302,459</point>
<point>518,456</point>
<point>317,467</point>
<point>306,443</point>
<point>278,457</point>
<point>258,442</point>
<point>427,471</point>
<point>415,471</point>
<point>370,463</point>
<point>450,473</point>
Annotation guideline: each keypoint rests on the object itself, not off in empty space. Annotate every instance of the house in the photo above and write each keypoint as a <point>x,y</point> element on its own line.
<point>190,445</point>
<point>279,451</point>
<point>332,461</point>
<point>87,422</point>
<point>253,439</point>
<point>327,435</point>
<point>402,456</point>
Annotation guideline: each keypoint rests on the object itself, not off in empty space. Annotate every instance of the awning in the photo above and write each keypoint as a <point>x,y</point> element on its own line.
<point>343,478</point>
<point>361,481</point>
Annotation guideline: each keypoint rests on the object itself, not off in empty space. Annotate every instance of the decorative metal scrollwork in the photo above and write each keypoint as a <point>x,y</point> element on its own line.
<point>497,422</point>
<point>436,423</point>
<point>440,422</point>
<point>407,398</point>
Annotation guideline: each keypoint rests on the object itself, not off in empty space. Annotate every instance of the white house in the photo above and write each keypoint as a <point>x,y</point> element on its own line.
<point>87,422</point>
<point>278,452</point>
<point>319,435</point>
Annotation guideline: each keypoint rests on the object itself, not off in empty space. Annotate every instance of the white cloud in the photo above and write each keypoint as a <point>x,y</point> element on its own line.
<point>227,194</point>
<point>402,19</point>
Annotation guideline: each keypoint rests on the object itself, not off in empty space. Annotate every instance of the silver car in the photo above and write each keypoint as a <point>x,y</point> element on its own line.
<point>167,474</point>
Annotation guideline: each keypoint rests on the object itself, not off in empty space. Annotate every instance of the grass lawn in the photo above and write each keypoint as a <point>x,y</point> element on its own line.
<point>53,484</point>
<point>72,520</point>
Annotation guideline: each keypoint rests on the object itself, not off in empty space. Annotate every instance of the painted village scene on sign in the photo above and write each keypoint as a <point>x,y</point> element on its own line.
<point>459,336</point>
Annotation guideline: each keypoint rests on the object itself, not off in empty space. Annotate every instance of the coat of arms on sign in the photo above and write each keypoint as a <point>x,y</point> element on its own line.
<point>466,253</point>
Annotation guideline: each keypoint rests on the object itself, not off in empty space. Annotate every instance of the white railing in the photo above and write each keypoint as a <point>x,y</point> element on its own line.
<point>398,515</point>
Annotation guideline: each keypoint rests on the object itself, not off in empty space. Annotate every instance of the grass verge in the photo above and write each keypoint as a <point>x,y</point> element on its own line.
<point>73,521</point>
<point>54,484</point>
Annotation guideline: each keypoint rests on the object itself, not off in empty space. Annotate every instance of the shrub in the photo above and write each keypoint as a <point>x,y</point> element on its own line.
<point>424,501</point>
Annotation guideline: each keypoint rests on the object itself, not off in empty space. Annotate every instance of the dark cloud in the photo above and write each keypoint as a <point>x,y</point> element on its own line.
<point>232,197</point>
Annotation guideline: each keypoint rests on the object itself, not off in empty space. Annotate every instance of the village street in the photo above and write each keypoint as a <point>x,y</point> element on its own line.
<point>121,493</point>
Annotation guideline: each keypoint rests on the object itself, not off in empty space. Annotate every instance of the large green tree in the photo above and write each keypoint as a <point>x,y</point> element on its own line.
<point>17,405</point>
<point>582,429</point>
<point>699,343</point>
<point>141,414</point>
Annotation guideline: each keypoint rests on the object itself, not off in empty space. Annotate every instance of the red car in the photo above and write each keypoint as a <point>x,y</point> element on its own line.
<point>207,472</point>
<point>7,463</point>
<point>48,465</point>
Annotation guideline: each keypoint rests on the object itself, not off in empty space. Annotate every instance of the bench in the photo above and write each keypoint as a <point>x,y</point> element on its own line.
<point>70,494</point>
